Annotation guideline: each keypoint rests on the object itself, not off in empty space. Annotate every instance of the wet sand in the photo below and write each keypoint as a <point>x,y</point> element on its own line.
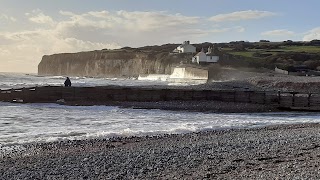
<point>274,152</point>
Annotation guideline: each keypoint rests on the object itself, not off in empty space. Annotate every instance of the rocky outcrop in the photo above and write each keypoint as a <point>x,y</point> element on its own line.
<point>111,63</point>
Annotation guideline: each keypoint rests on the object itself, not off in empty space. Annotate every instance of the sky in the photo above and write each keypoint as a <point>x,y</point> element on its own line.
<point>33,28</point>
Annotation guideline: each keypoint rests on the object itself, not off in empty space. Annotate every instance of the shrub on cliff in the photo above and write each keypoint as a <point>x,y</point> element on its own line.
<point>312,64</point>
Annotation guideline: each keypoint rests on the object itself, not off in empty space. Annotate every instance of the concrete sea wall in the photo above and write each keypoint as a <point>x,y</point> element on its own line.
<point>291,100</point>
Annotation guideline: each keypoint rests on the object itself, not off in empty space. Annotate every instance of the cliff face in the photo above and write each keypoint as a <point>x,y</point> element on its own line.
<point>110,63</point>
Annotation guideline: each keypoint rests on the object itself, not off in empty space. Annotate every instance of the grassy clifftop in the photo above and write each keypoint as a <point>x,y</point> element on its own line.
<point>263,54</point>
<point>271,54</point>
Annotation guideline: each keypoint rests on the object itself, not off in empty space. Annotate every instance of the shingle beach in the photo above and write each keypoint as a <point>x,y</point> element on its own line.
<point>275,152</point>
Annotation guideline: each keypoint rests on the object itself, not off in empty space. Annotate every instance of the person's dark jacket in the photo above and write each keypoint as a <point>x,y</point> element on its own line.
<point>67,82</point>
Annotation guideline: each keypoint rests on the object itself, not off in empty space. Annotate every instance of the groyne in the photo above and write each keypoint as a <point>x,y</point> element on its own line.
<point>54,94</point>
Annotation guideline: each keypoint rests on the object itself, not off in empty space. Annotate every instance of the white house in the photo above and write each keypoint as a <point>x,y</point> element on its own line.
<point>200,57</point>
<point>208,57</point>
<point>186,47</point>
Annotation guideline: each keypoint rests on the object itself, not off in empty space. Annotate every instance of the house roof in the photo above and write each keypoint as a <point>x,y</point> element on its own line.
<point>211,54</point>
<point>198,54</point>
<point>184,45</point>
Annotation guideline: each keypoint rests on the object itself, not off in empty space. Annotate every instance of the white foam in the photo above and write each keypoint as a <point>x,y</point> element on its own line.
<point>21,123</point>
<point>154,77</point>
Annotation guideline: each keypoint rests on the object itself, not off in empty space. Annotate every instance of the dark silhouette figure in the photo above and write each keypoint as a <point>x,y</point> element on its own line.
<point>67,82</point>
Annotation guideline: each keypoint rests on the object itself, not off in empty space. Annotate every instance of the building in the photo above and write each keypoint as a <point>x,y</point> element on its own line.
<point>203,57</point>
<point>186,47</point>
<point>200,57</point>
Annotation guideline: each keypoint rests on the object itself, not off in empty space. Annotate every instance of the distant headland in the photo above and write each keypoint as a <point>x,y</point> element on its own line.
<point>287,56</point>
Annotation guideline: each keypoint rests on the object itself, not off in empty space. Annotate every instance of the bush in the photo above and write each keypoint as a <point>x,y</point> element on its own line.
<point>312,64</point>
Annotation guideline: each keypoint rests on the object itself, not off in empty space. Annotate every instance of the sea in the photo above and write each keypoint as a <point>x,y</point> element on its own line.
<point>42,122</point>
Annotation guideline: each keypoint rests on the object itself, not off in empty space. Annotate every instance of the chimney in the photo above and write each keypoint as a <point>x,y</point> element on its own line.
<point>209,50</point>
<point>186,42</point>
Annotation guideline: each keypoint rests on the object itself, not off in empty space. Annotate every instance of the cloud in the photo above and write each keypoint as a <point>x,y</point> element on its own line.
<point>136,28</point>
<point>133,21</point>
<point>99,14</point>
<point>37,16</point>
<point>4,52</point>
<point>278,32</point>
<point>42,19</point>
<point>7,18</point>
<point>312,34</point>
<point>27,48</point>
<point>74,32</point>
<point>240,29</point>
<point>241,15</point>
<point>149,21</point>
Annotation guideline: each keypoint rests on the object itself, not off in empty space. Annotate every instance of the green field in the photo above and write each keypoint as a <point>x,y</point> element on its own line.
<point>250,52</point>
<point>238,53</point>
<point>242,53</point>
<point>308,49</point>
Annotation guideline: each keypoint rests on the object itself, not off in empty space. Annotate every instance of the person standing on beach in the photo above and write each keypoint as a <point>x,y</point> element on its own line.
<point>67,82</point>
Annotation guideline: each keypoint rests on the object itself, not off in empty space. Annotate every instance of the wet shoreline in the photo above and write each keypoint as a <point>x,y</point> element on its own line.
<point>190,106</point>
